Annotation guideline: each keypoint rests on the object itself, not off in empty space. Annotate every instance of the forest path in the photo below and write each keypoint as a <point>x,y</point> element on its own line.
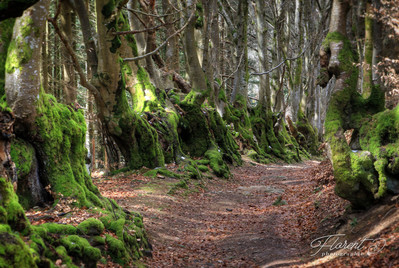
<point>225,223</point>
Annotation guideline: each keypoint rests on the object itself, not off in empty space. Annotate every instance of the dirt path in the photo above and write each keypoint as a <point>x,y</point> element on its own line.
<point>235,223</point>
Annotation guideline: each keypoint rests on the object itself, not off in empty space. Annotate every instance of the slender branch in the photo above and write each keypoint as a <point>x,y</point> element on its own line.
<point>281,63</point>
<point>155,15</point>
<point>145,30</point>
<point>164,43</point>
<point>236,70</point>
<point>83,79</point>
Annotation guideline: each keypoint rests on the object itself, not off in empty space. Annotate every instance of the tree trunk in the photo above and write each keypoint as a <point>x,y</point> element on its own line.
<point>348,111</point>
<point>240,84</point>
<point>69,81</point>
<point>196,73</point>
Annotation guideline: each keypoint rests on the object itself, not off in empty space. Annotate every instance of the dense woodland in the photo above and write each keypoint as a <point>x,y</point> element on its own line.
<point>124,85</point>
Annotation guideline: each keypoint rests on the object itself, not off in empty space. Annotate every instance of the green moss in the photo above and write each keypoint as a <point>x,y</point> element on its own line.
<point>195,136</point>
<point>203,162</point>
<point>217,164</point>
<point>346,56</point>
<point>13,212</point>
<point>66,259</point>
<point>6,30</point>
<point>19,53</point>
<point>98,240</point>
<point>14,252</point>
<point>144,91</point>
<point>59,228</point>
<point>62,133</point>
<point>203,168</point>
<point>162,171</point>
<point>116,249</point>
<point>80,248</point>
<point>118,171</point>
<point>311,142</point>
<point>22,155</point>
<point>91,226</point>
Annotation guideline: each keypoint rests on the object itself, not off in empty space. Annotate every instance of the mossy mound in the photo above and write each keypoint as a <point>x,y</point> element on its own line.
<point>91,227</point>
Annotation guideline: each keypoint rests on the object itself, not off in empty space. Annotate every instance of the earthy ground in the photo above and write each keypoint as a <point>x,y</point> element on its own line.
<point>265,216</point>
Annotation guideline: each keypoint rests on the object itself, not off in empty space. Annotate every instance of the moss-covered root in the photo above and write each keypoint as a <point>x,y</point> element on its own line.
<point>130,242</point>
<point>217,164</point>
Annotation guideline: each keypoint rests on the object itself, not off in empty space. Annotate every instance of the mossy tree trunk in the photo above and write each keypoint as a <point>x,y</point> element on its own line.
<point>364,166</point>
<point>368,52</point>
<point>54,134</point>
<point>197,75</point>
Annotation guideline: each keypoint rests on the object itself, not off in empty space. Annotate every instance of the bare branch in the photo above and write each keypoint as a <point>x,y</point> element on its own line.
<point>155,15</point>
<point>145,30</point>
<point>281,63</point>
<point>164,43</point>
<point>83,79</point>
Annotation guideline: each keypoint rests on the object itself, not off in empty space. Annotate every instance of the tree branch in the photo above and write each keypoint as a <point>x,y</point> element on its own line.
<point>155,15</point>
<point>83,79</point>
<point>164,43</point>
<point>145,30</point>
<point>281,63</point>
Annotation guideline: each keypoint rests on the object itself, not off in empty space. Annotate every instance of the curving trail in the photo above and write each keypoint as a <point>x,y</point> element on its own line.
<point>263,217</point>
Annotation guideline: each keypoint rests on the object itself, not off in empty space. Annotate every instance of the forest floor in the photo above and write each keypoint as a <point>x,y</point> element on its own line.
<point>265,216</point>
